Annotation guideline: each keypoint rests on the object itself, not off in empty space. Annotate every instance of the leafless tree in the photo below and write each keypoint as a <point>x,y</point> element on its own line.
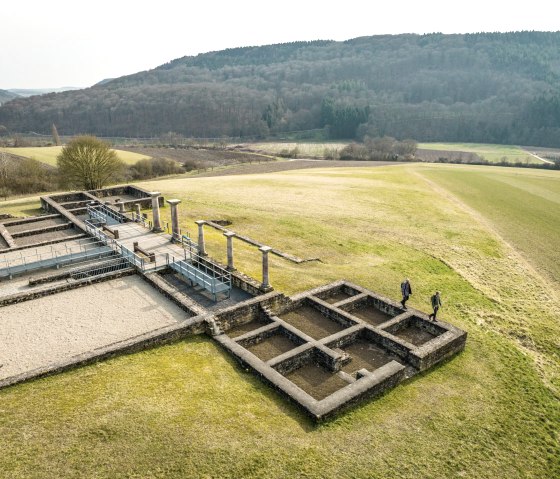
<point>88,163</point>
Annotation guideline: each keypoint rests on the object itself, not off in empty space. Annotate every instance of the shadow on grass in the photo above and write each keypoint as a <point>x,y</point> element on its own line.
<point>281,402</point>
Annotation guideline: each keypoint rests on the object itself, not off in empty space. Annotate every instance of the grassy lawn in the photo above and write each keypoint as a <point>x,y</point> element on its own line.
<point>48,154</point>
<point>188,410</point>
<point>492,153</point>
<point>523,207</point>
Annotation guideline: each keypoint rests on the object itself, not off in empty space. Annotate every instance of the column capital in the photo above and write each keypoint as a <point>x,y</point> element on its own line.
<point>265,249</point>
<point>153,194</point>
<point>200,222</point>
<point>229,234</point>
<point>173,202</point>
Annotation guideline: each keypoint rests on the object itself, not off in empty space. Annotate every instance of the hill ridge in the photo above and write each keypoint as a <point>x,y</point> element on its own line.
<point>483,88</point>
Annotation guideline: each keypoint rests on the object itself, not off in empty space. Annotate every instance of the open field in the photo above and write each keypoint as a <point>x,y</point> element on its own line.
<point>491,153</point>
<point>523,208</point>
<point>188,410</point>
<point>48,154</point>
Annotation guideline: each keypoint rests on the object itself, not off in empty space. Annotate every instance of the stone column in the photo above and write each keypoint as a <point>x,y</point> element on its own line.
<point>201,247</point>
<point>155,210</point>
<point>120,204</point>
<point>230,235</point>
<point>175,235</point>
<point>138,211</point>
<point>265,282</point>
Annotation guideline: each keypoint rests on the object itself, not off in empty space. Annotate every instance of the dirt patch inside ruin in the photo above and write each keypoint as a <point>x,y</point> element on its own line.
<point>415,335</point>
<point>366,355</point>
<point>316,381</point>
<point>311,322</point>
<point>35,225</point>
<point>272,346</point>
<point>241,329</point>
<point>370,315</point>
<point>337,297</point>
<point>50,236</point>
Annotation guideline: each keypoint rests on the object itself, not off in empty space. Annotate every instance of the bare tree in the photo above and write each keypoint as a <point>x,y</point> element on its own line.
<point>88,163</point>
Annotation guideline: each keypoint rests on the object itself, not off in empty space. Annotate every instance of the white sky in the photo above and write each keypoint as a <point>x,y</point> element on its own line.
<point>54,43</point>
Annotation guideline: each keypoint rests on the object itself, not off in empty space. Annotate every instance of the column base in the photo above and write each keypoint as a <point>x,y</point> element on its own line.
<point>158,230</point>
<point>266,288</point>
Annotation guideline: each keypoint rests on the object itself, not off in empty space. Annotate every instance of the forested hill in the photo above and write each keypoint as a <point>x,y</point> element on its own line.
<point>488,87</point>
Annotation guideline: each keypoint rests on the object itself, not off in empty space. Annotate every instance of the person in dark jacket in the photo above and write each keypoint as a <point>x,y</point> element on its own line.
<point>406,291</point>
<point>436,304</point>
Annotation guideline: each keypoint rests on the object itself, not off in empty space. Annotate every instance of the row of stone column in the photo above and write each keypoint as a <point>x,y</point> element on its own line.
<point>176,236</point>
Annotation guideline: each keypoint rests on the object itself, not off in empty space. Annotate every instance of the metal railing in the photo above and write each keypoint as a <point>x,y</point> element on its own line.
<point>122,250</point>
<point>206,274</point>
<point>188,244</point>
<point>102,212</point>
<point>99,269</point>
<point>55,255</point>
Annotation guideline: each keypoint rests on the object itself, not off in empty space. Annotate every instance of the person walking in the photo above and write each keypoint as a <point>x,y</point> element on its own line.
<point>436,304</point>
<point>406,291</point>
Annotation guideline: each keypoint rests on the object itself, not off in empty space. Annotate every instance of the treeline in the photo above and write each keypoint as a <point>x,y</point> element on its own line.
<point>488,87</point>
<point>24,176</point>
<point>377,149</point>
<point>21,176</point>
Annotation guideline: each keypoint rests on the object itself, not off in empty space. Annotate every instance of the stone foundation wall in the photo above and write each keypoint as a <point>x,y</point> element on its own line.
<point>48,229</point>
<point>248,310</point>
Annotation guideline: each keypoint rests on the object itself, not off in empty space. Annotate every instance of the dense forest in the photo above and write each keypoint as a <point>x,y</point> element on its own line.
<point>487,87</point>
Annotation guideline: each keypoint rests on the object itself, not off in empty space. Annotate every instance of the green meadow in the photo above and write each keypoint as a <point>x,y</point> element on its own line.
<point>48,154</point>
<point>188,410</point>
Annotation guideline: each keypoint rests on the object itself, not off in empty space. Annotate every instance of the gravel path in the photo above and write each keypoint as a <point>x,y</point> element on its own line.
<point>46,330</point>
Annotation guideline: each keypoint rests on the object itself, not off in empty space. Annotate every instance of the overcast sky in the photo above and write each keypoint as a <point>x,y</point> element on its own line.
<point>54,43</point>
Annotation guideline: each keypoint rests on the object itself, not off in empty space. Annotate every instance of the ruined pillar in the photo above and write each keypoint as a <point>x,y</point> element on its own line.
<point>120,204</point>
<point>138,211</point>
<point>265,281</point>
<point>201,246</point>
<point>155,210</point>
<point>230,235</point>
<point>175,234</point>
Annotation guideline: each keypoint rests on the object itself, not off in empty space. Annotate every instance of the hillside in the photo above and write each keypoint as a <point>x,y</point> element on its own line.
<point>6,95</point>
<point>484,88</point>
<point>189,410</point>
